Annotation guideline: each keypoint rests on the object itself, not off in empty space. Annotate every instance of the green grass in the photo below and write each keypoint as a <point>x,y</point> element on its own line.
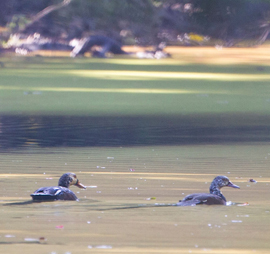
<point>97,87</point>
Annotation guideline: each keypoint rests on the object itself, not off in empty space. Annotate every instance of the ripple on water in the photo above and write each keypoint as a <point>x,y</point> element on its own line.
<point>100,247</point>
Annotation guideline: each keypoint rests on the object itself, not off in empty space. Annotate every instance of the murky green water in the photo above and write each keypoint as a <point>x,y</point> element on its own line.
<point>141,135</point>
<point>136,178</point>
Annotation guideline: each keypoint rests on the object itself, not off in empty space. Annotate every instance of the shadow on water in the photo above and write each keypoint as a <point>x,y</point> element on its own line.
<point>93,206</point>
<point>10,243</point>
<point>99,207</point>
<point>19,203</point>
<point>87,131</point>
<point>157,205</point>
<point>29,202</point>
<point>135,207</point>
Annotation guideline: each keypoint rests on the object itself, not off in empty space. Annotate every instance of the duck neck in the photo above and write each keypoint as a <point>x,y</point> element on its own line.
<point>64,181</point>
<point>214,189</point>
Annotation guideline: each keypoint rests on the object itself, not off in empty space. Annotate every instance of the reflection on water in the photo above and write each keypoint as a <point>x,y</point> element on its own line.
<point>71,131</point>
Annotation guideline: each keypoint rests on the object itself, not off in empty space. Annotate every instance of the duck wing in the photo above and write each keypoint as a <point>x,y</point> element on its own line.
<point>53,193</point>
<point>201,199</point>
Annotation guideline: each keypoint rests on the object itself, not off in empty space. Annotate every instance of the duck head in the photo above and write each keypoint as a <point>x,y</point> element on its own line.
<point>223,181</point>
<point>220,182</point>
<point>68,179</point>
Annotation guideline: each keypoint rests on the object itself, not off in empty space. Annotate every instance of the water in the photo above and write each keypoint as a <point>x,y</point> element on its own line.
<point>121,210</point>
<point>142,139</point>
<point>87,131</point>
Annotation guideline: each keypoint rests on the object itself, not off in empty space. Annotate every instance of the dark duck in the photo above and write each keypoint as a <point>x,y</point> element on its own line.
<point>215,197</point>
<point>60,192</point>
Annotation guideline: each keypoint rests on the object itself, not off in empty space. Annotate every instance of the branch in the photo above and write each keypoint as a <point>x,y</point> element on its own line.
<point>45,12</point>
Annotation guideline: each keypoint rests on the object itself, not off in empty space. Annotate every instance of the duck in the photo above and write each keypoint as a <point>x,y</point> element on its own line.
<point>60,192</point>
<point>215,197</point>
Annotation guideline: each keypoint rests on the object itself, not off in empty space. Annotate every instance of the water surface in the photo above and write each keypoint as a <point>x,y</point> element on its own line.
<point>137,179</point>
<point>141,135</point>
<point>91,131</point>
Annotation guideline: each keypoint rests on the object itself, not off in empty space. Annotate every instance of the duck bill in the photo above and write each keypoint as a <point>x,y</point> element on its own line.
<point>230,184</point>
<point>78,184</point>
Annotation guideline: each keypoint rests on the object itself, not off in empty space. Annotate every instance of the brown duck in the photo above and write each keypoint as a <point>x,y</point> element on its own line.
<point>60,192</point>
<point>215,197</point>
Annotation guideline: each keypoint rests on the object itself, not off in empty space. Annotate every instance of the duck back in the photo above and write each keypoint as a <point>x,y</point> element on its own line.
<point>53,193</point>
<point>201,198</point>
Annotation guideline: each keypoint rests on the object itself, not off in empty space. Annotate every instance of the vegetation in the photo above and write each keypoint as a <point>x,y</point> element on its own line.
<point>140,21</point>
